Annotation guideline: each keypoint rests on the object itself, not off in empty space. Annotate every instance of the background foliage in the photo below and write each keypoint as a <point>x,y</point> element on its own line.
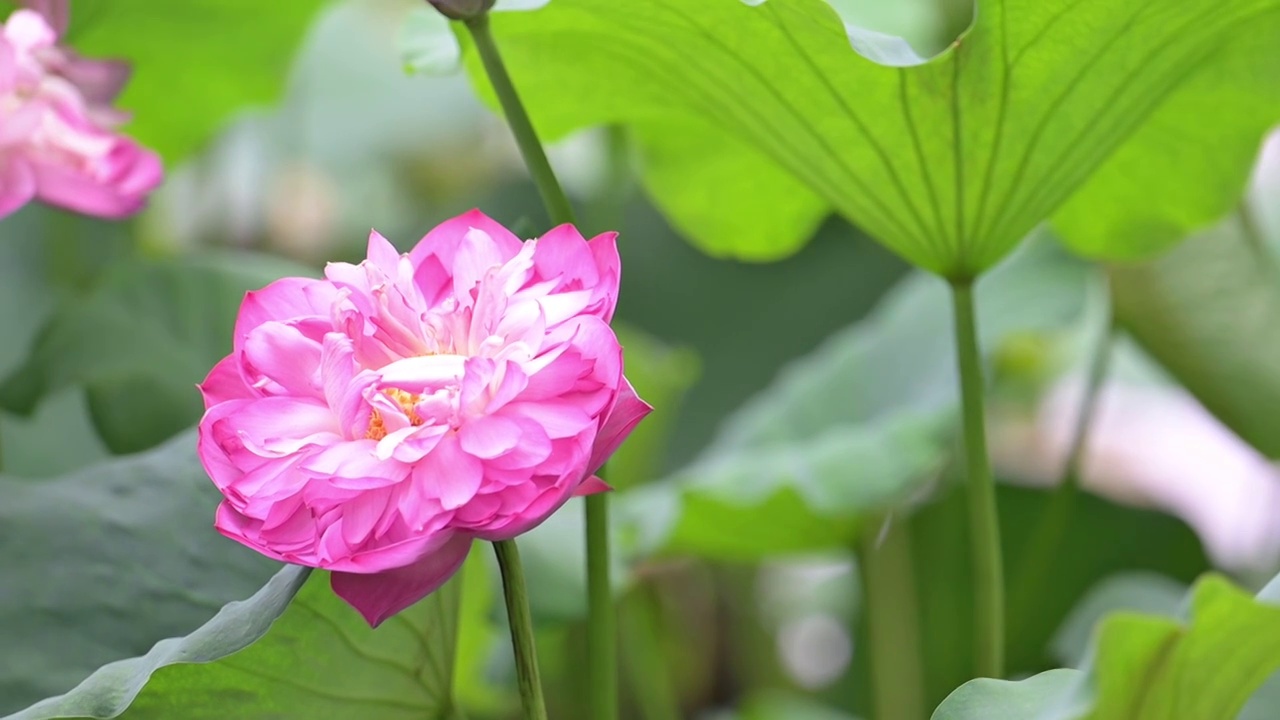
<point>769,182</point>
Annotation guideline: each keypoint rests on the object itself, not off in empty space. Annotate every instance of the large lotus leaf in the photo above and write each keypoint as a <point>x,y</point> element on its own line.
<point>195,63</point>
<point>950,163</point>
<point>101,563</point>
<point>294,649</point>
<point>856,428</point>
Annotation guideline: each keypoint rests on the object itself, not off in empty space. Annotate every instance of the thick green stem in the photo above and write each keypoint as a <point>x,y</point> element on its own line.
<point>1037,560</point>
<point>535,158</point>
<point>647,668</point>
<point>521,622</point>
<point>892,619</point>
<point>602,665</point>
<point>984,522</point>
<point>602,636</point>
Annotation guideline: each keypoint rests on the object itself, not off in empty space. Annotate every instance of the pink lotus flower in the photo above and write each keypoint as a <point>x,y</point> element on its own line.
<point>57,141</point>
<point>378,421</point>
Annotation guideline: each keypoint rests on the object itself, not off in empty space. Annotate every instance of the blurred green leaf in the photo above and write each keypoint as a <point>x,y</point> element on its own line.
<point>60,437</point>
<point>950,162</point>
<point>774,706</point>
<point>141,342</point>
<point>1092,549</point>
<point>805,496</point>
<point>427,43</point>
<point>1140,592</point>
<point>661,376</point>
<point>1209,312</point>
<point>195,63</point>
<point>101,563</point>
<point>294,649</point>
<point>26,297</point>
<point>858,427</point>
<point>1148,668</point>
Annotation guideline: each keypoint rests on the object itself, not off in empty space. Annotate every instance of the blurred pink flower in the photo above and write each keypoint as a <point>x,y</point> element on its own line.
<point>57,139</point>
<point>375,422</point>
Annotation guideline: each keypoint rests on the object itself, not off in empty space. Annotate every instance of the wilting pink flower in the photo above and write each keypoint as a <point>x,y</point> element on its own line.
<point>375,422</point>
<point>57,138</point>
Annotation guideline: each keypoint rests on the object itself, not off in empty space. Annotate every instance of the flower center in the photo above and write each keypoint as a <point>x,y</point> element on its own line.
<point>406,400</point>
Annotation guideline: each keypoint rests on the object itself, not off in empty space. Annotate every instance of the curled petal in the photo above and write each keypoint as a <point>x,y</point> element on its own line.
<point>592,486</point>
<point>285,299</point>
<point>224,383</point>
<point>378,596</point>
<point>627,412</point>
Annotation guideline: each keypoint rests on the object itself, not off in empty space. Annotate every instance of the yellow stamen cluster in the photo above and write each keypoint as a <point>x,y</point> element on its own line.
<point>406,400</point>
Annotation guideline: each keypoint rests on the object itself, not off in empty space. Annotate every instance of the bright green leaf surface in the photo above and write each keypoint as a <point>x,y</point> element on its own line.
<point>1181,172</point>
<point>858,427</point>
<point>694,171</point>
<point>100,564</point>
<point>1209,312</point>
<point>319,660</point>
<point>1203,671</point>
<point>1037,697</point>
<point>950,163</point>
<point>196,62</point>
<point>140,342</point>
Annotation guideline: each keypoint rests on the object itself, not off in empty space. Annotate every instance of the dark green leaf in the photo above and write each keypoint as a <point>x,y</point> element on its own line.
<point>1148,667</point>
<point>1153,541</point>
<point>102,563</point>
<point>1209,312</point>
<point>1140,592</point>
<point>859,427</point>
<point>319,659</point>
<point>141,342</point>
<point>774,706</point>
